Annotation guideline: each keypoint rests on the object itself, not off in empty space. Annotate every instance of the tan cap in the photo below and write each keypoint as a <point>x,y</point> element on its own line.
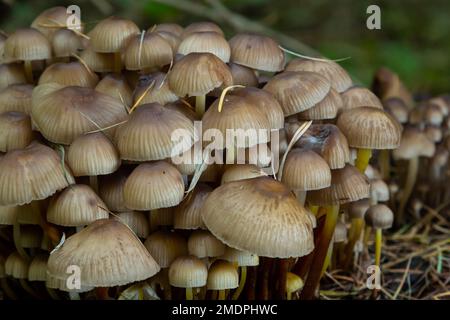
<point>237,172</point>
<point>174,28</point>
<point>187,214</point>
<point>69,74</point>
<point>154,88</point>
<point>188,272</point>
<point>242,258</point>
<point>15,131</point>
<point>379,217</point>
<point>116,86</point>
<point>66,43</point>
<point>356,97</point>
<point>11,73</point>
<point>166,246</point>
<point>16,266</point>
<point>414,143</point>
<point>27,45</point>
<point>201,26</point>
<point>203,244</point>
<point>111,189</point>
<point>243,76</point>
<point>137,221</point>
<point>37,270</point>
<point>325,109</point>
<point>96,61</point>
<point>147,51</point>
<point>358,209</point>
<point>222,275</point>
<point>211,42</point>
<point>111,34</point>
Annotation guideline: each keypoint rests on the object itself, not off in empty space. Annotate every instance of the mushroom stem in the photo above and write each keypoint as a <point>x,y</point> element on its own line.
<point>367,232</point>
<point>314,209</point>
<point>7,289</point>
<point>356,228</point>
<point>378,244</point>
<point>93,182</point>
<point>221,295</point>
<point>312,281</point>
<point>327,261</point>
<point>189,294</point>
<point>17,242</point>
<point>200,105</point>
<point>242,280</point>
<point>385,164</point>
<point>251,287</point>
<point>214,295</point>
<point>362,159</point>
<point>28,71</point>
<point>301,196</point>
<point>289,295</point>
<point>283,269</point>
<point>411,176</point>
<point>28,289</point>
<point>117,62</point>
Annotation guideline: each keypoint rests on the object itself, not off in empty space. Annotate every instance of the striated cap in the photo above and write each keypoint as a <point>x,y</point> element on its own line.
<point>358,209</point>
<point>222,275</point>
<point>201,26</point>
<point>241,258</point>
<point>174,28</point>
<point>414,143</point>
<point>78,205</point>
<point>116,86</point>
<point>188,272</point>
<point>49,21</point>
<point>237,172</point>
<point>298,91</point>
<point>111,190</point>
<point>211,42</point>
<point>187,214</point>
<point>257,52</point>
<point>397,108</point>
<point>138,223</point>
<point>11,73</point>
<point>356,97</point>
<point>16,266</point>
<point>166,246</point>
<point>96,61</point>
<point>111,34</point>
<point>147,51</point>
<point>38,268</point>
<point>66,43</point>
<point>370,128</point>
<point>154,88</point>
<point>325,109</point>
<point>243,76</point>
<point>203,244</point>
<point>69,74</point>
<point>15,131</point>
<point>33,173</point>
<point>152,186</point>
<point>259,215</point>
<point>379,216</point>
<point>171,38</point>
<point>196,74</point>
<point>27,45</point>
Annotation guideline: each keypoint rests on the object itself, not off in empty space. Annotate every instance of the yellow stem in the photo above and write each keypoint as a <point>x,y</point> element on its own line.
<point>28,71</point>
<point>189,295</point>
<point>221,295</point>
<point>378,244</point>
<point>238,291</point>
<point>356,228</point>
<point>200,103</point>
<point>362,159</point>
<point>314,209</point>
<point>327,261</point>
<point>289,296</point>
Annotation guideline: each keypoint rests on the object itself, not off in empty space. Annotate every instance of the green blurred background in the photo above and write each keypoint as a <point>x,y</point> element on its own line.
<point>414,39</point>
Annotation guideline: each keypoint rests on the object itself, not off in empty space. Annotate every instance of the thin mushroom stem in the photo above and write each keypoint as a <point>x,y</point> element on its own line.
<point>221,295</point>
<point>200,105</point>
<point>28,71</point>
<point>7,289</point>
<point>356,227</point>
<point>327,261</point>
<point>313,279</point>
<point>242,280</point>
<point>18,242</point>
<point>189,294</point>
<point>362,159</point>
<point>411,177</point>
<point>378,244</point>
<point>301,196</point>
<point>289,295</point>
<point>385,164</point>
<point>283,269</point>
<point>93,182</point>
<point>117,62</point>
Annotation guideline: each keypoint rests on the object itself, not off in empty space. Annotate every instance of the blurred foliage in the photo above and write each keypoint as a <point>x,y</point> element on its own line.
<point>414,40</point>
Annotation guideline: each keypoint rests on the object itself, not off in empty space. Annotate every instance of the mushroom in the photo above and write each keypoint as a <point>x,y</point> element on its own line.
<point>243,76</point>
<point>200,26</point>
<point>15,131</point>
<point>11,73</point>
<point>117,87</point>
<point>293,284</point>
<point>203,245</point>
<point>69,74</point>
<point>154,88</point>
<point>188,272</point>
<point>206,41</point>
<point>173,28</point>
<point>137,221</point>
<point>65,44</point>
<point>16,97</point>
<point>222,276</point>
<point>17,267</point>
<point>187,215</point>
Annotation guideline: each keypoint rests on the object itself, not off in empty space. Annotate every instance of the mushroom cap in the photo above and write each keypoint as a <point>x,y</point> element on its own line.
<point>78,205</point>
<point>26,45</point>
<point>201,26</point>
<point>293,282</point>
<point>196,74</point>
<point>147,51</point>
<point>358,209</point>
<point>65,43</point>
<point>116,86</point>
<point>356,97</point>
<point>347,185</point>
<point>298,91</point>
<point>237,172</point>
<point>379,216</point>
<point>397,108</point>
<point>414,143</point>
<point>338,77</point>
<point>33,173</point>
<point>97,61</point>
<point>370,128</point>
<point>147,135</point>
<point>174,28</point>
<point>15,131</point>
<point>203,244</point>
<point>49,21</point>
<point>340,232</point>
<point>242,258</point>
<point>93,155</point>
<point>62,114</point>
<point>111,190</point>
<point>188,272</point>
<point>16,266</point>
<point>152,186</point>
<point>187,214</point>
<point>211,42</point>
<point>137,221</point>
<point>16,98</point>
<point>329,142</point>
<point>379,190</point>
<point>8,214</point>
<point>305,170</point>
<point>173,39</point>
<point>259,215</point>
<point>107,253</point>
<point>111,34</point>
<point>222,275</point>
<point>257,52</point>
<point>434,133</point>
<point>11,73</point>
<point>243,76</point>
<point>166,246</point>
<point>69,74</point>
<point>154,88</point>
<point>326,109</point>
<point>37,270</point>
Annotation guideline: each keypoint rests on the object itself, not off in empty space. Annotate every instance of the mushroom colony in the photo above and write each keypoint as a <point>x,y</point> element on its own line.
<point>95,205</point>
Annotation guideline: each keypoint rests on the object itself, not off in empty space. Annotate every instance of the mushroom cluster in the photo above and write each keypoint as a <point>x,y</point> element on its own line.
<point>98,200</point>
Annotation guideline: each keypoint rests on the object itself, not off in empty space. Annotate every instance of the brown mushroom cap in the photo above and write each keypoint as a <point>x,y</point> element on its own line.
<point>237,172</point>
<point>111,190</point>
<point>203,244</point>
<point>138,223</point>
<point>358,209</point>
<point>15,131</point>
<point>201,26</point>
<point>11,73</point>
<point>241,258</point>
<point>49,21</point>
<point>16,266</point>
<point>166,246</point>
<point>37,270</point>
<point>222,275</point>
<point>325,109</point>
<point>187,214</point>
<point>96,61</point>
<point>211,42</point>
<point>27,45</point>
<point>107,253</point>
<point>69,74</point>
<point>243,76</point>
<point>414,143</point>
<point>259,215</point>
<point>154,88</point>
<point>356,97</point>
<point>33,173</point>
<point>116,86</point>
<point>257,52</point>
<point>111,34</point>
<point>188,272</point>
<point>397,108</point>
<point>174,28</point>
<point>66,43</point>
<point>379,217</point>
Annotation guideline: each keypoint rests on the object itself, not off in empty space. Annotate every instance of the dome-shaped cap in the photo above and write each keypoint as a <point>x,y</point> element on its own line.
<point>62,114</point>
<point>111,190</point>
<point>96,61</point>
<point>147,135</point>
<point>257,52</point>
<point>222,275</point>
<point>236,172</point>
<point>66,43</point>
<point>137,221</point>
<point>69,74</point>
<point>338,77</point>
<point>111,34</point>
<point>166,246</point>
<point>188,272</point>
<point>159,91</point>
<point>52,20</point>
<point>32,173</point>
<point>171,38</point>
<point>298,91</point>
<point>37,270</point>
<point>15,131</point>
<point>259,215</point>
<point>305,170</point>
<point>27,45</point>
<point>76,206</point>
<point>379,216</point>
<point>187,214</point>
<point>152,186</point>
<point>211,42</point>
<point>16,266</point>
<point>293,282</point>
<point>347,185</point>
<point>356,97</point>
<point>397,108</point>
<point>201,26</point>
<point>414,143</point>
<point>325,109</point>
<point>116,86</point>
<point>243,76</point>
<point>16,97</point>
<point>146,52</point>
<point>11,73</point>
<point>196,74</point>
<point>203,244</point>
<point>8,215</point>
<point>242,258</point>
<point>174,28</point>
<point>328,141</point>
<point>379,190</point>
<point>358,209</point>
<point>370,128</point>
<point>93,154</point>
<point>107,253</point>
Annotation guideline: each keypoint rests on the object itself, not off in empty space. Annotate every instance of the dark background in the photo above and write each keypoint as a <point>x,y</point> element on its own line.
<point>414,39</point>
